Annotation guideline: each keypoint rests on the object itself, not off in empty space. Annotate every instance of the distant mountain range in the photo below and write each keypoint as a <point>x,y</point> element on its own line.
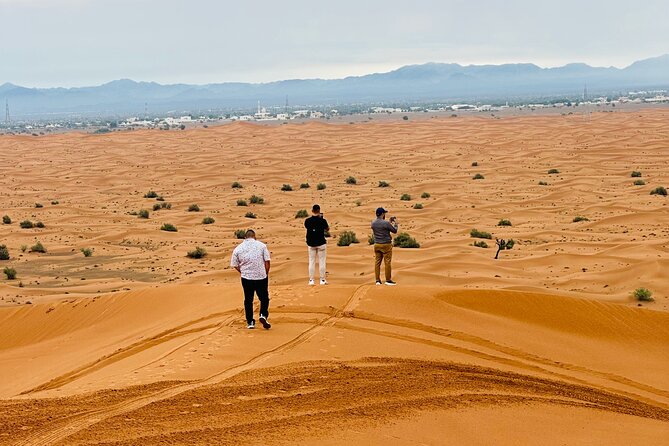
<point>413,83</point>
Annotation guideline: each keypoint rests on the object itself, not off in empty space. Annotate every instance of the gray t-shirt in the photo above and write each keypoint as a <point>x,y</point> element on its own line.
<point>382,229</point>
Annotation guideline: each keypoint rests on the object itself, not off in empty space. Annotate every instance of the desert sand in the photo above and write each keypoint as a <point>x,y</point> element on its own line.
<point>139,344</point>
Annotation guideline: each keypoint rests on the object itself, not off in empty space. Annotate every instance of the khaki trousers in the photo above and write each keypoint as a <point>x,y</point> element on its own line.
<point>383,252</point>
<point>320,252</point>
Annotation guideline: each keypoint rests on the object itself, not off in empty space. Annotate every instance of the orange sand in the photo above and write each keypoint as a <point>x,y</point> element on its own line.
<point>140,345</point>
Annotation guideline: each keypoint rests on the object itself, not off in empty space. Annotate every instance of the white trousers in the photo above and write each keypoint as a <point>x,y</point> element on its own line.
<point>321,252</point>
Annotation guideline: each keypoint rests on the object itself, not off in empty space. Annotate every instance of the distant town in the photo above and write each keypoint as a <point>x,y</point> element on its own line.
<point>182,120</point>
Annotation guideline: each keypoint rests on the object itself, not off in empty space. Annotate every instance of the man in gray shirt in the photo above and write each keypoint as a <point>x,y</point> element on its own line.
<point>383,244</point>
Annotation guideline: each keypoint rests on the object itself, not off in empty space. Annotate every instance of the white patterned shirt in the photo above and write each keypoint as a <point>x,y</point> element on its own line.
<point>250,256</point>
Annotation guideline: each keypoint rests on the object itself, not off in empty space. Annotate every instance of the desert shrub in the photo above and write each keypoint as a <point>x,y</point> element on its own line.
<point>321,186</point>
<point>425,195</point>
<point>197,253</point>
<point>404,240</point>
<point>580,218</point>
<point>240,234</point>
<point>250,215</point>
<point>475,164</point>
<point>4,253</point>
<point>193,208</point>
<point>636,174</point>
<point>475,233</point>
<point>405,117</point>
<point>504,222</point>
<point>346,238</point>
<point>503,245</point>
<point>480,244</point>
<point>26,224</point>
<point>639,183</point>
<point>237,185</point>
<point>143,213</point>
<point>156,207</point>
<point>169,227</point>
<point>242,202</point>
<point>553,172</point>
<point>351,180</point>
<point>405,197</point>
<point>87,252</point>
<point>543,183</point>
<point>255,199</point>
<point>659,191</point>
<point>160,198</point>
<point>24,248</point>
<point>304,186</point>
<point>478,176</point>
<point>151,194</point>
<point>286,188</point>
<point>371,239</point>
<point>39,224</point>
<point>6,220</point>
<point>10,273</point>
<point>302,213</point>
<point>418,206</point>
<point>55,202</point>
<point>208,220</point>
<point>39,205</point>
<point>358,202</point>
<point>384,184</point>
<point>38,247</point>
<point>643,295</point>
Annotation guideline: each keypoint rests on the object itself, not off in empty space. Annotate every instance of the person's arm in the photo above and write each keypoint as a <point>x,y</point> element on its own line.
<point>267,266</point>
<point>306,223</point>
<point>267,258</point>
<point>327,226</point>
<point>393,227</point>
<point>234,262</point>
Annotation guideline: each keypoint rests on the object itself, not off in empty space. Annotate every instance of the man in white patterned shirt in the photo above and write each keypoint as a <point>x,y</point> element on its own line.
<point>251,259</point>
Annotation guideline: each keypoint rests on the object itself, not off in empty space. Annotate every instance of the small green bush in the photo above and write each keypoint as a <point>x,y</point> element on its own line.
<point>553,172</point>
<point>371,239</point>
<point>143,213</point>
<point>6,220</point>
<point>255,199</point>
<point>425,195</point>
<point>240,234</point>
<point>405,117</point>
<point>304,186</point>
<point>475,233</point>
<point>208,221</point>
<point>193,208</point>
<point>346,238</point>
<point>405,197</point>
<point>169,227</point>
<point>543,183</point>
<point>478,176</point>
<point>636,174</point>
<point>26,224</point>
<point>38,247</point>
<point>286,188</point>
<point>351,180</point>
<point>302,213</point>
<point>418,206</point>
<point>250,215</point>
<point>39,224</point>
<point>151,194</point>
<point>4,253</point>
<point>384,184</point>
<point>87,252</point>
<point>504,222</point>
<point>580,218</point>
<point>475,164</point>
<point>643,295</point>
<point>358,202</point>
<point>197,253</point>
<point>55,202</point>
<point>404,240</point>
<point>156,207</point>
<point>10,273</point>
<point>639,183</point>
<point>24,248</point>
<point>480,244</point>
<point>39,205</point>
<point>242,202</point>
<point>659,191</point>
<point>160,198</point>
<point>237,185</point>
<point>321,186</point>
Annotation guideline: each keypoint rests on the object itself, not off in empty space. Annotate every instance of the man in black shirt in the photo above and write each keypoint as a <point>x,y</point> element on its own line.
<point>316,226</point>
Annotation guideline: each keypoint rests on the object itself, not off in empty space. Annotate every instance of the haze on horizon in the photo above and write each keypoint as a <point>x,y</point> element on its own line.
<point>88,42</point>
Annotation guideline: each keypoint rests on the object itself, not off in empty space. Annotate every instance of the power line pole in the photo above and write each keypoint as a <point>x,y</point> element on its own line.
<point>8,120</point>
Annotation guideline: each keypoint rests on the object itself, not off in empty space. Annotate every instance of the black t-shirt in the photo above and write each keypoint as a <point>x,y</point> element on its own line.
<point>316,227</point>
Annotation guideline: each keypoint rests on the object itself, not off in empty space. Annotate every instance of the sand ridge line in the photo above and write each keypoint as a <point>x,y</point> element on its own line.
<point>85,420</point>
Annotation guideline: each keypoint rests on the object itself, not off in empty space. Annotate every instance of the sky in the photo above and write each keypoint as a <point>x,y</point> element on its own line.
<point>65,43</point>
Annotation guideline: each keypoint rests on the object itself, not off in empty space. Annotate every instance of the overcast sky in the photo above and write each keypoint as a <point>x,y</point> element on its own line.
<point>88,42</point>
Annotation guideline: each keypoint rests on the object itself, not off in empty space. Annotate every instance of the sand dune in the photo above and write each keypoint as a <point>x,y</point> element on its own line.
<point>140,345</point>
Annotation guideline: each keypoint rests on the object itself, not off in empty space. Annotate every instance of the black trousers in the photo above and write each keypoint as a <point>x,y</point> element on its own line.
<point>259,287</point>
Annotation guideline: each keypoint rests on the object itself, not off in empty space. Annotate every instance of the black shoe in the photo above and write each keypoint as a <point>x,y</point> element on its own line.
<point>390,283</point>
<point>265,324</point>
<point>251,325</point>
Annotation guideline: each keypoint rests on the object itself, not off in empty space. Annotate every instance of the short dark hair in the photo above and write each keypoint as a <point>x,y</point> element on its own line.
<point>250,233</point>
<point>316,208</point>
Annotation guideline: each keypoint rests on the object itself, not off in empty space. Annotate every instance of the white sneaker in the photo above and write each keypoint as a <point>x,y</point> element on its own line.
<point>251,325</point>
<point>324,282</point>
<point>311,282</point>
<point>378,282</point>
